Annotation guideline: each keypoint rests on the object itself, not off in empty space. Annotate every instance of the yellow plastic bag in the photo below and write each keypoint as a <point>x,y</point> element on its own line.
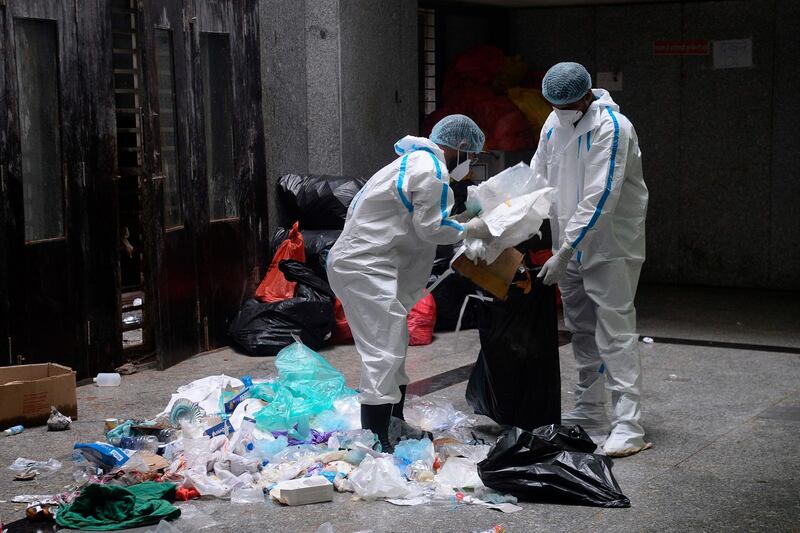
<point>532,104</point>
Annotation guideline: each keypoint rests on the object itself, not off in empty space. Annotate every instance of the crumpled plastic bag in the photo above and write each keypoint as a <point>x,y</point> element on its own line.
<point>435,414</point>
<point>44,468</point>
<point>205,392</point>
<point>306,386</point>
<point>379,477</point>
<point>513,205</point>
<point>410,451</point>
<point>552,464</point>
<point>459,472</point>
<point>345,416</point>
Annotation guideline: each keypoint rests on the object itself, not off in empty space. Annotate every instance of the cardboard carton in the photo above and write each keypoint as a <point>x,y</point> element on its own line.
<point>28,391</point>
<point>494,278</point>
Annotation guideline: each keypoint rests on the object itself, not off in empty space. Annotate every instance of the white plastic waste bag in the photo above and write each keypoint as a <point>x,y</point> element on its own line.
<point>459,472</point>
<point>513,207</point>
<point>379,478</point>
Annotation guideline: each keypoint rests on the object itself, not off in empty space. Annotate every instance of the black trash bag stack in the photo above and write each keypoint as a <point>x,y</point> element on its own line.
<point>551,464</point>
<point>516,379</point>
<point>321,202</point>
<point>317,245</point>
<point>263,329</point>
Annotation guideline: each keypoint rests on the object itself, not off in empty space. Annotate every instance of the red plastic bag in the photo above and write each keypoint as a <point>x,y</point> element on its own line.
<point>341,331</point>
<point>480,64</point>
<point>275,287</point>
<point>421,321</point>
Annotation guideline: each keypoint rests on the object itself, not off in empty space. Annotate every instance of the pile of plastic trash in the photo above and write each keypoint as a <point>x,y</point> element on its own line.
<point>296,438</point>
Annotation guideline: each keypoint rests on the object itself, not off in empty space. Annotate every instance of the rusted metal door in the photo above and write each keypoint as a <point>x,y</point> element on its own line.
<point>169,160</point>
<point>43,184</point>
<point>228,135</point>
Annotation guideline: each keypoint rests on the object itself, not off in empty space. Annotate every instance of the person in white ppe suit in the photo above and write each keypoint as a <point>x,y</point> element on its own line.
<point>590,153</point>
<point>382,261</point>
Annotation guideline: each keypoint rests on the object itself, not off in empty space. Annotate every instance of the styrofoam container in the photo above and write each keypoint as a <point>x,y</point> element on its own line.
<point>303,491</point>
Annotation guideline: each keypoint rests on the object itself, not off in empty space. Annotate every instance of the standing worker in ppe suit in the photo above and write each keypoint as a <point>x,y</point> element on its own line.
<point>590,153</point>
<point>381,263</point>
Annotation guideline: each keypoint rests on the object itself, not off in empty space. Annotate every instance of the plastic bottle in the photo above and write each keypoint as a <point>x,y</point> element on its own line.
<point>148,443</point>
<point>108,380</point>
<point>13,430</point>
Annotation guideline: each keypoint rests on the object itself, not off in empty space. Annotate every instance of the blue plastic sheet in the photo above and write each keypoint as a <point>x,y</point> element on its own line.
<point>409,451</point>
<point>306,386</point>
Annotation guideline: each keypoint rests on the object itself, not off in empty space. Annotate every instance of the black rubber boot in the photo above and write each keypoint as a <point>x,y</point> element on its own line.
<point>397,410</point>
<point>376,419</point>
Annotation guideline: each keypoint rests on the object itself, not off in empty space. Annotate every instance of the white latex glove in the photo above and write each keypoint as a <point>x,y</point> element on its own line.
<point>555,267</point>
<point>477,229</point>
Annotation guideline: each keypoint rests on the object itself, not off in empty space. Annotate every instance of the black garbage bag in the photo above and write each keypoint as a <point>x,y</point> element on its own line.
<point>263,329</point>
<point>516,379</point>
<point>321,201</point>
<point>551,464</point>
<point>317,245</point>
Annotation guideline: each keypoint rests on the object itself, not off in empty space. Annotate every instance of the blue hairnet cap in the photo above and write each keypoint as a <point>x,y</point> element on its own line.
<point>566,83</point>
<point>459,132</point>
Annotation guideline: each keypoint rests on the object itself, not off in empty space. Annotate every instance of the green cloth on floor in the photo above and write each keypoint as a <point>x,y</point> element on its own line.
<point>110,507</point>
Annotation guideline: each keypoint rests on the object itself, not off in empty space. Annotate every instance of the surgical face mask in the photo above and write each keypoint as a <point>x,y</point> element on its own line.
<point>461,170</point>
<point>568,117</point>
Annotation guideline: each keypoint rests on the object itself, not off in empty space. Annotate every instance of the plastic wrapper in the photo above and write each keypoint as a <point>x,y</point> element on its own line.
<point>247,495</point>
<point>419,471</point>
<point>379,478</point>
<point>21,466</point>
<point>475,453</point>
<point>164,527</point>
<point>516,379</point>
<point>57,421</point>
<point>348,440</point>
<point>410,451</point>
<point>267,449</point>
<point>435,414</point>
<point>307,385</point>
<point>345,415</point>
<point>321,201</point>
<point>262,329</point>
<point>205,392</point>
<point>459,472</point>
<point>552,464</point>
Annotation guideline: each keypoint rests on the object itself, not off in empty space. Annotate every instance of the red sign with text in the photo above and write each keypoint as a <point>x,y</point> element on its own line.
<point>682,47</point>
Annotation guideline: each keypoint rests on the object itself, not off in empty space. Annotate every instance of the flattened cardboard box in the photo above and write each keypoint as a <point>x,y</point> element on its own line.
<point>28,391</point>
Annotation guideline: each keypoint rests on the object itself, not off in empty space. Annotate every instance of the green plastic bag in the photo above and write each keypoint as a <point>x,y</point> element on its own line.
<point>306,386</point>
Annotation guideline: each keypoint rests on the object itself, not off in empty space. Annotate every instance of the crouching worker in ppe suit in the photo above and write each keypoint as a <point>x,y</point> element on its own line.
<point>381,263</point>
<point>590,153</point>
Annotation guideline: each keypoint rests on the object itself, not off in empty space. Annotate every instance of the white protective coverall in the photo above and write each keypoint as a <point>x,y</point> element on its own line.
<point>599,209</point>
<point>381,263</point>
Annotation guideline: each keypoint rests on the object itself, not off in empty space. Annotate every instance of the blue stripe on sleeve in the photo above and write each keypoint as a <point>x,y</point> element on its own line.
<point>400,179</point>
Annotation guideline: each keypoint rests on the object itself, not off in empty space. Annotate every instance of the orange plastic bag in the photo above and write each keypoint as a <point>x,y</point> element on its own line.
<point>275,287</point>
<point>421,321</point>
<point>341,331</point>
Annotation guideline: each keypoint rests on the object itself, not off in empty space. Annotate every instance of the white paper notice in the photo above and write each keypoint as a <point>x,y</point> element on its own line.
<point>736,53</point>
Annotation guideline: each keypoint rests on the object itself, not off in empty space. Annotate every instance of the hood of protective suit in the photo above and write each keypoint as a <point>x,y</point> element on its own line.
<point>409,144</point>
<point>602,99</point>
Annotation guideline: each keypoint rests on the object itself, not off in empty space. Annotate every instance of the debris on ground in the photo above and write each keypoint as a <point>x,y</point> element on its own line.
<point>296,437</point>
<point>57,421</point>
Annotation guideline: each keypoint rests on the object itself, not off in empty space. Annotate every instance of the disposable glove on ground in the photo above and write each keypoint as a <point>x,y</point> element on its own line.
<point>555,267</point>
<point>477,229</point>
